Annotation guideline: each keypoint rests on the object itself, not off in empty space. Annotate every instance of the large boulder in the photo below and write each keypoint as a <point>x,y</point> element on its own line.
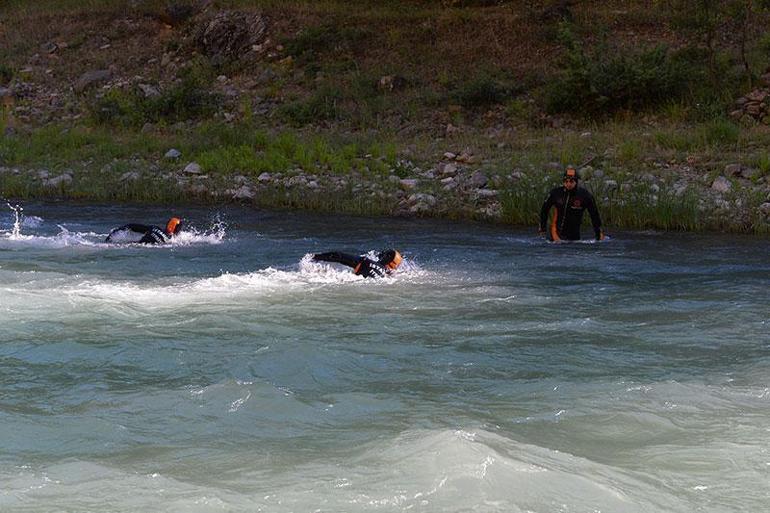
<point>90,78</point>
<point>230,35</point>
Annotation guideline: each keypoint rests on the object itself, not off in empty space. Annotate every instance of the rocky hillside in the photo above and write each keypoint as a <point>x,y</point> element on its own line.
<point>429,108</point>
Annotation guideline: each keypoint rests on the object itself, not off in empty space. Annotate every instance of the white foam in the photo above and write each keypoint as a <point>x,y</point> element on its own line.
<point>65,238</point>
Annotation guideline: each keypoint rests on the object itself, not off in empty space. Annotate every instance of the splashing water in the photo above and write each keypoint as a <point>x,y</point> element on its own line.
<point>212,235</point>
<point>17,213</point>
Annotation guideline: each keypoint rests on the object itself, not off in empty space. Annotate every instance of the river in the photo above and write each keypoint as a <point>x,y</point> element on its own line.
<point>493,372</point>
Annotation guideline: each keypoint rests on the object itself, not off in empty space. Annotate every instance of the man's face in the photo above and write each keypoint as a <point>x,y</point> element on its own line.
<point>570,183</point>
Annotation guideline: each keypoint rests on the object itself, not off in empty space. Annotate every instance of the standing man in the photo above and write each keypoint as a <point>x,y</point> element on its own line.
<point>570,201</point>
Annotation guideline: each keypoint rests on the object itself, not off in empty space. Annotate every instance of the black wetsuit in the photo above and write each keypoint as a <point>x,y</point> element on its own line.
<point>362,265</point>
<point>570,206</point>
<point>150,234</point>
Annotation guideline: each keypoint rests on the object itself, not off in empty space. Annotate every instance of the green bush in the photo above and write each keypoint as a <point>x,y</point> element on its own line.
<point>313,41</point>
<point>603,81</point>
<point>720,132</point>
<point>185,100</point>
<point>323,105</point>
<point>6,74</point>
<point>482,91</point>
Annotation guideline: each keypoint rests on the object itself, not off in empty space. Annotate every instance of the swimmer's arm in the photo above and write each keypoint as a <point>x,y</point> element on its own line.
<point>337,257</point>
<point>134,227</point>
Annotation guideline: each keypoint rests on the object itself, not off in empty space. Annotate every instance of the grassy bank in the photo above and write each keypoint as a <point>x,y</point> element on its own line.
<point>637,169</point>
<point>353,106</point>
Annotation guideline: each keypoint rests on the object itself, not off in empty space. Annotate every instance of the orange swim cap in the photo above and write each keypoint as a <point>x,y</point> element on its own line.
<point>173,226</point>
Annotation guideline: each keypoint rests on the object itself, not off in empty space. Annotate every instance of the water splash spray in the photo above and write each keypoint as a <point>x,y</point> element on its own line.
<point>17,212</point>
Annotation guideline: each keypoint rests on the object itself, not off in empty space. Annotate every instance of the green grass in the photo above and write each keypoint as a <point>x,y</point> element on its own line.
<point>225,150</point>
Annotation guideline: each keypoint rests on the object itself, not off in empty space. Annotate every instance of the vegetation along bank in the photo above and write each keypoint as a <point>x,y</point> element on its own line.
<point>456,109</point>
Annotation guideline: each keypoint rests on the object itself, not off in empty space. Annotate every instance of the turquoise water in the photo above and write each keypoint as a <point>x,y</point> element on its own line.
<point>495,372</point>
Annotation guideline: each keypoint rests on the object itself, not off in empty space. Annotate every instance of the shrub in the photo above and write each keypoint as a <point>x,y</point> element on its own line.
<point>311,42</point>
<point>185,100</point>
<point>6,74</point>
<point>603,81</point>
<point>482,91</point>
<point>323,105</point>
<point>720,132</point>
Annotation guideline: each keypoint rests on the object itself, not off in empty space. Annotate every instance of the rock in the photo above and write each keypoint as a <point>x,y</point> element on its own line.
<point>749,173</point>
<point>757,95</point>
<point>391,83</point>
<point>610,185</point>
<point>479,180</point>
<point>130,176</point>
<point>721,185</point>
<point>486,193</point>
<point>753,109</point>
<point>230,34</point>
<point>448,180</point>
<point>49,47</point>
<point>313,185</point>
<point>264,177</point>
<point>244,192</point>
<point>422,198</point>
<point>648,177</point>
<point>149,91</point>
<point>173,154</point>
<point>733,169</point>
<point>451,129</point>
<point>193,168</point>
<point>449,155</point>
<point>408,183</point>
<point>58,181</point>
<point>42,174</point>
<point>764,208</point>
<point>765,79</point>
<point>447,169</point>
<point>266,76</point>
<point>492,211</point>
<point>90,78</point>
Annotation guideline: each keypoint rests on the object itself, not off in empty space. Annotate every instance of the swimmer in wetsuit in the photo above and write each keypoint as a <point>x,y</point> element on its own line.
<point>387,261</point>
<point>150,234</point>
<point>569,201</point>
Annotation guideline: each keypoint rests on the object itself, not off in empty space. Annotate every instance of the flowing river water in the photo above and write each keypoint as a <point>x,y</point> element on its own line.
<point>494,372</point>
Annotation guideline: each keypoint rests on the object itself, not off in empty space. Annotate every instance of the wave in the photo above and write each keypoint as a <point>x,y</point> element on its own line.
<point>450,470</point>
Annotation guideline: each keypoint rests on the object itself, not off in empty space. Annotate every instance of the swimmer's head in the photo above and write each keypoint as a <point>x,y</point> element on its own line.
<point>390,258</point>
<point>571,178</point>
<point>173,226</point>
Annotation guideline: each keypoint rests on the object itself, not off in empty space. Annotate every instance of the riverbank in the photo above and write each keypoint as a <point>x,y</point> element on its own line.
<point>322,106</point>
<point>699,178</point>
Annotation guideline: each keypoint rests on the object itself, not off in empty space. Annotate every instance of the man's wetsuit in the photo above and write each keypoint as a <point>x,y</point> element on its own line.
<point>150,234</point>
<point>362,265</point>
<point>570,206</point>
